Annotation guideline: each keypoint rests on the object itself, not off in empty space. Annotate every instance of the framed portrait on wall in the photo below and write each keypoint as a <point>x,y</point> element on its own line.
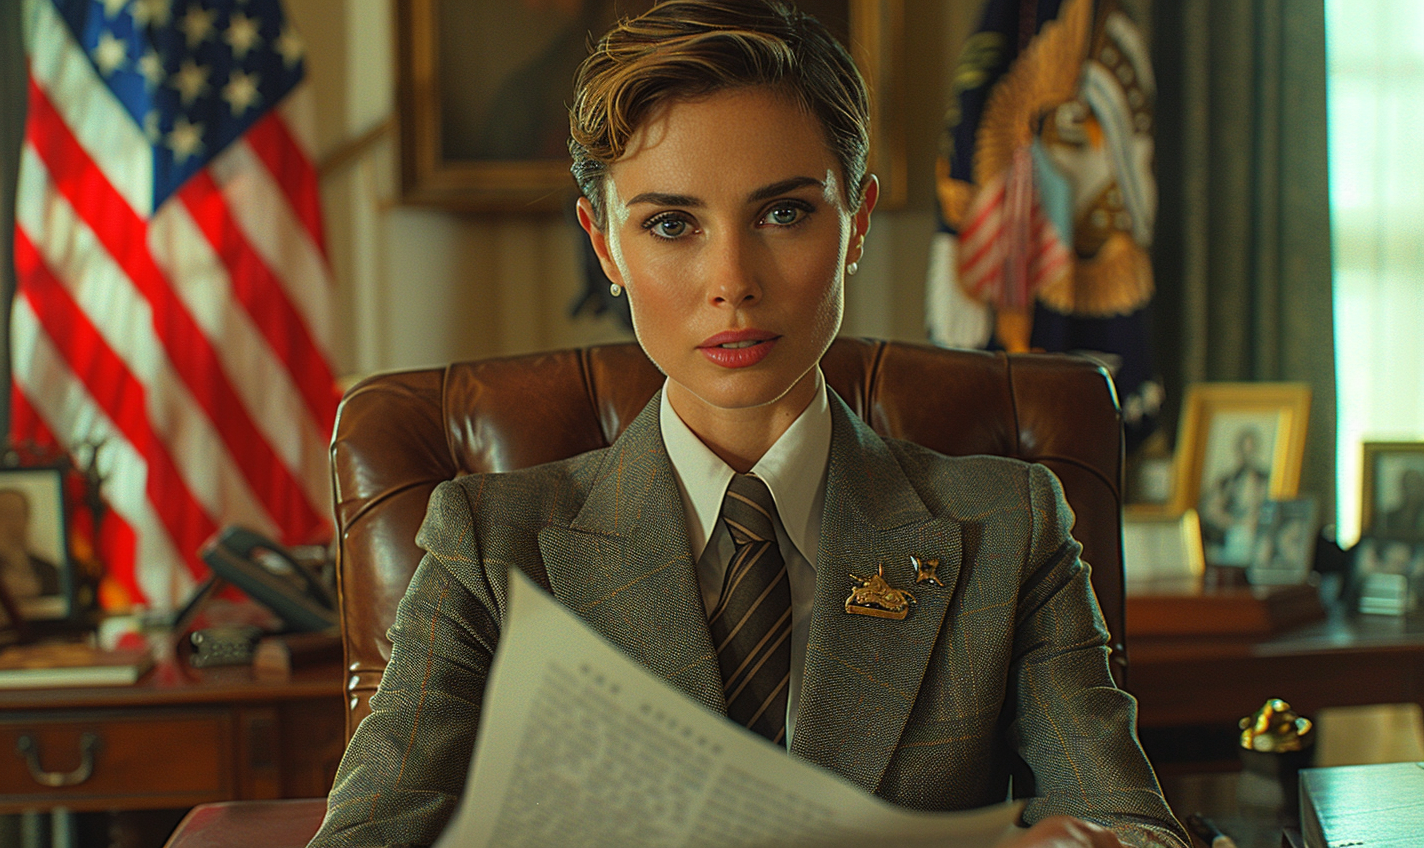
<point>1239,445</point>
<point>483,88</point>
<point>34,549</point>
<point>1392,496</point>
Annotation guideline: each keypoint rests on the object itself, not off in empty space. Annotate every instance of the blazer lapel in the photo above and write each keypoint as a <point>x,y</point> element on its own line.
<point>863,673</point>
<point>624,565</point>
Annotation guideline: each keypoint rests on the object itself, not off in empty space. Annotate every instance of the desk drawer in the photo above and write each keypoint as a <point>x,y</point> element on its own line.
<point>117,759</point>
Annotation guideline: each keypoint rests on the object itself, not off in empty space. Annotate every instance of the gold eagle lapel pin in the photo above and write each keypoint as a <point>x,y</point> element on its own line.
<point>874,597</point>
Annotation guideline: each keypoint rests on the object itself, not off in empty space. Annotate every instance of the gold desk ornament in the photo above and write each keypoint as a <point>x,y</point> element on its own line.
<point>925,570</point>
<point>875,597</point>
<point>1275,728</point>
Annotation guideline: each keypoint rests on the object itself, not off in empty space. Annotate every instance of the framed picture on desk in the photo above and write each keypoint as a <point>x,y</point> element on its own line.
<point>1392,500</point>
<point>34,547</point>
<point>1240,444</point>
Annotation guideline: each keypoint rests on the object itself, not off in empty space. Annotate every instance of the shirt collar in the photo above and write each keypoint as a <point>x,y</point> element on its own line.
<point>793,469</point>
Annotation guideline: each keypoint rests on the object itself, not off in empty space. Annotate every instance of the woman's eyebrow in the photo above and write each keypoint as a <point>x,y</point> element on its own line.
<point>784,187</point>
<point>659,198</point>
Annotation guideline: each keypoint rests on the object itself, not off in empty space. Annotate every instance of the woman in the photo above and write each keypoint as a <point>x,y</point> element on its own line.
<point>720,148</point>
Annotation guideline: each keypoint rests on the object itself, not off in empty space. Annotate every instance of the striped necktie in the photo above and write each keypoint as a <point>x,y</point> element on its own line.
<point>751,623</point>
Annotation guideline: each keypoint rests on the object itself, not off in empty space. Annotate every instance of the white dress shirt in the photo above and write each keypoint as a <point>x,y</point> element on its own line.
<point>794,469</point>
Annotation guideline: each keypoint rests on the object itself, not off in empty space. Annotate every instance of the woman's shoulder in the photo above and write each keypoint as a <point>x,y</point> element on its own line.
<point>973,484</point>
<point>537,493</point>
<point>915,457</point>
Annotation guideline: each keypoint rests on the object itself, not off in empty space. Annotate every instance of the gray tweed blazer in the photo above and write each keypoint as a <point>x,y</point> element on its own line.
<point>1001,672</point>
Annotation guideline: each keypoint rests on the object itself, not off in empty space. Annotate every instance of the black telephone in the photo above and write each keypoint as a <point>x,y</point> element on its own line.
<point>267,572</point>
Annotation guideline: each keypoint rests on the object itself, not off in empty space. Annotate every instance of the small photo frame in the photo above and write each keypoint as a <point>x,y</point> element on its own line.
<point>34,543</point>
<point>1285,542</point>
<point>1159,548</point>
<point>1392,496</point>
<point>1240,444</point>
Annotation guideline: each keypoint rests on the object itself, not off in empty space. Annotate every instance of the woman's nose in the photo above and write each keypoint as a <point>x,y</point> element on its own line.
<point>732,276</point>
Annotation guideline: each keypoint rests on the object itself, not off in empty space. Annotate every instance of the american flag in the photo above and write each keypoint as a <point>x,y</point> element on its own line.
<point>173,297</point>
<point>1008,246</point>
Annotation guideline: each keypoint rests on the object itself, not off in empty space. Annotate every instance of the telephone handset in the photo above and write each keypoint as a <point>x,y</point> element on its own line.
<point>267,572</point>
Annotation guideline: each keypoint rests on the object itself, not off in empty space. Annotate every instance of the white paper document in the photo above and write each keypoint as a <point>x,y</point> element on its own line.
<point>579,745</point>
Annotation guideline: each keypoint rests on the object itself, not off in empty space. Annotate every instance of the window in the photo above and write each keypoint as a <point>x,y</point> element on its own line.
<point>1375,54</point>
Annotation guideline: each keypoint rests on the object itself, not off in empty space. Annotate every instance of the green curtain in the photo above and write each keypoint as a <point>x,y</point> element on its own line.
<point>1242,248</point>
<point>13,87</point>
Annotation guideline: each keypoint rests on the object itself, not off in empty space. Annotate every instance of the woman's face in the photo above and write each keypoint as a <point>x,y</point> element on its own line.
<point>727,226</point>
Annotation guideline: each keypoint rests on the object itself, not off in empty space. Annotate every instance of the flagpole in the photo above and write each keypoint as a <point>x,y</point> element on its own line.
<point>12,130</point>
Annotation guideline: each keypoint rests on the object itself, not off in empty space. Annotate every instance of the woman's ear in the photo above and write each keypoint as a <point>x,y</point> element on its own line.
<point>599,239</point>
<point>869,193</point>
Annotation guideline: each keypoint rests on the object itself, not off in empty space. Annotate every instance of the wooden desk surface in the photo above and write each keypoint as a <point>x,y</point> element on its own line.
<point>174,682</point>
<point>1343,660</point>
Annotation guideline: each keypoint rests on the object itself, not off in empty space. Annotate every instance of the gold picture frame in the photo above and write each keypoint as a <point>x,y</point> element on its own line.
<point>1239,445</point>
<point>1385,468</point>
<point>451,157</point>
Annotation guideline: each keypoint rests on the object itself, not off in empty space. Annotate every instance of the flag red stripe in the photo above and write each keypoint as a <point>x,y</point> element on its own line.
<point>1043,243</point>
<point>124,234</point>
<point>262,295</point>
<point>991,202</point>
<point>991,243</point>
<point>989,281</point>
<point>26,425</point>
<point>117,392</point>
<point>270,139</point>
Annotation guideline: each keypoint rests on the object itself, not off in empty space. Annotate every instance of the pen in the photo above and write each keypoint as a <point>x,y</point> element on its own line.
<point>1209,832</point>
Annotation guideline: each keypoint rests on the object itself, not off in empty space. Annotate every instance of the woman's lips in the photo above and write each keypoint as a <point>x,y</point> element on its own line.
<point>738,348</point>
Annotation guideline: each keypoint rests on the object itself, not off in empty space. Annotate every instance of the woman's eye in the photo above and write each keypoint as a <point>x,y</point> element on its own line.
<point>784,216</point>
<point>668,226</point>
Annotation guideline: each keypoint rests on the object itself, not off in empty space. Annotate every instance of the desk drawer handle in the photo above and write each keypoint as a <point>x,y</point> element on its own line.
<point>88,746</point>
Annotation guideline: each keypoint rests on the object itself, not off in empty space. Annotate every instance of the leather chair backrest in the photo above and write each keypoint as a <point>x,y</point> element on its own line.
<point>399,434</point>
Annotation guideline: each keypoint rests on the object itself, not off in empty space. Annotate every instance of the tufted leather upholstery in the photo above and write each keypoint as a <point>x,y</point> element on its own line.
<point>399,434</point>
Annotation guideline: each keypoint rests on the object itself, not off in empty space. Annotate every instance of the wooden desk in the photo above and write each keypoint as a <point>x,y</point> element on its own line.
<point>1192,690</point>
<point>177,738</point>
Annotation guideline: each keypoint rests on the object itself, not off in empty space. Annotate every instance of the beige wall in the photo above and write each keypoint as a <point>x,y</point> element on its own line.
<point>420,286</point>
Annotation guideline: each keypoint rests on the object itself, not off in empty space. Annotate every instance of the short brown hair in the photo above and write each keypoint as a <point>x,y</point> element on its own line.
<point>689,48</point>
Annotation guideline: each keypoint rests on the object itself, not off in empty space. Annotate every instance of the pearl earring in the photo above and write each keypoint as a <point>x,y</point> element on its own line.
<point>615,289</point>
<point>859,248</point>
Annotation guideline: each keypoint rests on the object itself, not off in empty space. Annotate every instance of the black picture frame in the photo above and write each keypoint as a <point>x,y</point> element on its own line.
<point>35,561</point>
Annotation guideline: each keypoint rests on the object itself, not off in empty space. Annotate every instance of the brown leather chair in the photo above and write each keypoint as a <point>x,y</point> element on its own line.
<point>399,434</point>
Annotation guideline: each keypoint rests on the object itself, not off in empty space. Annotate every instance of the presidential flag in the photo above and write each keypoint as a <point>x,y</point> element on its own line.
<point>172,310</point>
<point>1047,195</point>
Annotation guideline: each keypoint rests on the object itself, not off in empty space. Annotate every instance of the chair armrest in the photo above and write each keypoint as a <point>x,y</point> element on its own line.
<point>241,824</point>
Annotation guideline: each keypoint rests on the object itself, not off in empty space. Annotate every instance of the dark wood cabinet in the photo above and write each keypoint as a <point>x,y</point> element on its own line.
<point>177,738</point>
